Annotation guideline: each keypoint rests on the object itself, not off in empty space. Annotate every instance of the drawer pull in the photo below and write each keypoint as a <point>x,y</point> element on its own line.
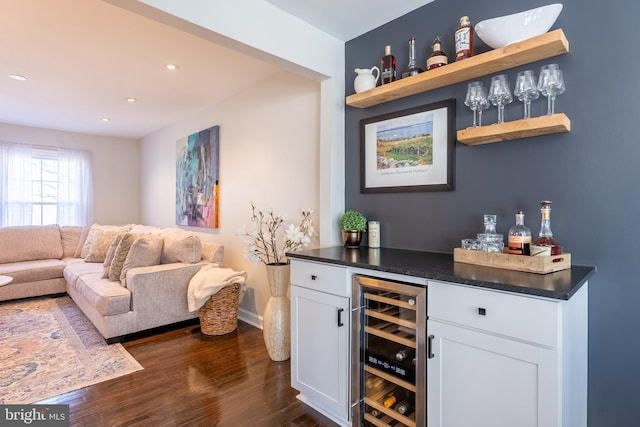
<point>340,310</point>
<point>314,277</point>
<point>482,311</point>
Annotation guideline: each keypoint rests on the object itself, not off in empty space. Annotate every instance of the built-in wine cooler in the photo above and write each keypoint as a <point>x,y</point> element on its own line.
<point>389,353</point>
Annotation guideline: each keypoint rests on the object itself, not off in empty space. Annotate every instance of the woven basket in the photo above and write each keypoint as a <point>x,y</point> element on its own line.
<point>219,315</point>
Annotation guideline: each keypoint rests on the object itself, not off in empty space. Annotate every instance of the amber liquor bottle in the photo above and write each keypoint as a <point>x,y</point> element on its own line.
<point>388,66</point>
<point>412,68</point>
<point>464,39</point>
<point>546,236</point>
<point>519,236</point>
<point>437,58</point>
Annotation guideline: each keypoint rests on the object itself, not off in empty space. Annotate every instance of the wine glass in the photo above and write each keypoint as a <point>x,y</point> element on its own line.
<point>484,104</point>
<point>551,84</point>
<point>476,97</point>
<point>500,94</point>
<point>526,90</point>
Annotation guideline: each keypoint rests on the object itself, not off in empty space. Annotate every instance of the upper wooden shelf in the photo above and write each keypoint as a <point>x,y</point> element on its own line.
<point>547,45</point>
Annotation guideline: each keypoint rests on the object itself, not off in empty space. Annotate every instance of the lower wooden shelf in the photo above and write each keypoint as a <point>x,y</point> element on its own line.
<point>524,128</point>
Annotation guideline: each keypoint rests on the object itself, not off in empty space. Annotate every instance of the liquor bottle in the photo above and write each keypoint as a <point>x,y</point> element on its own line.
<point>412,69</point>
<point>545,237</point>
<point>464,39</point>
<point>519,236</point>
<point>388,66</point>
<point>401,355</point>
<point>437,58</point>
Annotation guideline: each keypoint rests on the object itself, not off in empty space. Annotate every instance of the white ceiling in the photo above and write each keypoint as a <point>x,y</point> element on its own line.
<point>82,59</point>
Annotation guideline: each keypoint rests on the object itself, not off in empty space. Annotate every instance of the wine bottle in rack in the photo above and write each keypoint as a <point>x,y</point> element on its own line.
<point>405,407</point>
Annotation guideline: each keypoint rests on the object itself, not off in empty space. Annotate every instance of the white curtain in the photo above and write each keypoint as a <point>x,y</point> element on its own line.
<point>16,187</point>
<point>75,187</point>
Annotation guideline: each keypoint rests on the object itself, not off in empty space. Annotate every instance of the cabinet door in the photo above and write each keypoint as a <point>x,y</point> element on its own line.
<point>479,379</point>
<point>320,325</point>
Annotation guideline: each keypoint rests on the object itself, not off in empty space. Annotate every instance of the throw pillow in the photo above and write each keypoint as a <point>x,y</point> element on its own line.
<point>180,246</point>
<point>120,256</point>
<point>145,251</point>
<point>100,244</point>
<point>110,253</point>
<point>86,248</point>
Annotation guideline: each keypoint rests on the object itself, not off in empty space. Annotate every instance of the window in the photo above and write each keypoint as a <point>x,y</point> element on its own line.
<point>44,172</point>
<point>44,186</point>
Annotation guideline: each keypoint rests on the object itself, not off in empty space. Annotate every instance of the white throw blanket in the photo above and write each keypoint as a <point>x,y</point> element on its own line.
<point>209,280</point>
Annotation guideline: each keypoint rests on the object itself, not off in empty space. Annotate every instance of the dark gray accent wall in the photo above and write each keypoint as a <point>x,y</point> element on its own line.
<point>591,174</point>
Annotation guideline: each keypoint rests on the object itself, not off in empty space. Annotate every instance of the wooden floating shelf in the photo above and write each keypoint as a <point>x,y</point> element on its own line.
<point>547,45</point>
<point>524,128</point>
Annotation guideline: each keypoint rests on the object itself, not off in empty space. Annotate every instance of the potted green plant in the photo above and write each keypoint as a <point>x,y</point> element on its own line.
<point>353,224</point>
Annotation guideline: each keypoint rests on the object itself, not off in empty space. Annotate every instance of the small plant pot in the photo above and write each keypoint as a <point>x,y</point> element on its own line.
<point>352,238</point>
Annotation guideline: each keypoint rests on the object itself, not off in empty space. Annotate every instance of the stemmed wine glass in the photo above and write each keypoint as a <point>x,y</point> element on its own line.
<point>477,101</point>
<point>500,94</point>
<point>551,84</point>
<point>526,90</point>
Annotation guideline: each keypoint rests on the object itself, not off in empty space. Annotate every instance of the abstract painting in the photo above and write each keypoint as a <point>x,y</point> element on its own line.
<point>197,186</point>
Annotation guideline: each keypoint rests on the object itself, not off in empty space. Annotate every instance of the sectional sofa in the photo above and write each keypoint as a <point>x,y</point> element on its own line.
<point>125,279</point>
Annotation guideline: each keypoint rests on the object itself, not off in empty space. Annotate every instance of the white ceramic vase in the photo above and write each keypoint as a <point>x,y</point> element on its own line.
<point>276,321</point>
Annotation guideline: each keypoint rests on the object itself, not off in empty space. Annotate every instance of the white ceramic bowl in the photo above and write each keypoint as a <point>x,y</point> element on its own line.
<point>504,30</point>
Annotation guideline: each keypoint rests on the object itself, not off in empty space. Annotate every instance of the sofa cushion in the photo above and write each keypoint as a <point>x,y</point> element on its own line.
<point>108,298</point>
<point>32,271</point>
<point>120,256</point>
<point>70,236</point>
<point>93,231</point>
<point>146,250</point>
<point>110,254</point>
<point>180,246</point>
<point>27,243</point>
<point>100,244</point>
<point>81,240</point>
<point>74,270</point>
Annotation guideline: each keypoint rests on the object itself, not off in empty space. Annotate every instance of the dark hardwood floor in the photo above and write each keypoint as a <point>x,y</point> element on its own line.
<point>194,380</point>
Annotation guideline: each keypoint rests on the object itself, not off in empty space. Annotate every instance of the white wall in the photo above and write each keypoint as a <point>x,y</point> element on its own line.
<point>269,154</point>
<point>115,168</point>
<point>261,30</point>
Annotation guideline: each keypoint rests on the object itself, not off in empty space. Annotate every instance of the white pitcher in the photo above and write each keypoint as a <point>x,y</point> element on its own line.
<point>365,79</point>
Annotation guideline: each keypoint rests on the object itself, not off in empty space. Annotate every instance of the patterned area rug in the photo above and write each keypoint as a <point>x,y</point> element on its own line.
<point>48,347</point>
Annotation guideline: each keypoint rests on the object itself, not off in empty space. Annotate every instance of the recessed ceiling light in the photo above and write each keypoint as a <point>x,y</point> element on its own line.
<point>172,67</point>
<point>130,99</point>
<point>106,119</point>
<point>17,77</point>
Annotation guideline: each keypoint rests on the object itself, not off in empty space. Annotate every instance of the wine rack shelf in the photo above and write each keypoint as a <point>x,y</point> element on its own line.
<point>524,128</point>
<point>392,372</point>
<point>547,45</point>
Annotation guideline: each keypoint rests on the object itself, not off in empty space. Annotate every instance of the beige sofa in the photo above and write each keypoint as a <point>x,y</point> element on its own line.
<point>146,289</point>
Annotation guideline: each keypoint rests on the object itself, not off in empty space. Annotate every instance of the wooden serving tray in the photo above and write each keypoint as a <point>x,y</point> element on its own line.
<point>529,264</point>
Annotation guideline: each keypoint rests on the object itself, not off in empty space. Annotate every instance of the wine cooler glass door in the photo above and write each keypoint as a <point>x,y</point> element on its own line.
<point>389,372</point>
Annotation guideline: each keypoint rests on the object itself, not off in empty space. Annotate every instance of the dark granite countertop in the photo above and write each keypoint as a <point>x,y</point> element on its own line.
<point>439,266</point>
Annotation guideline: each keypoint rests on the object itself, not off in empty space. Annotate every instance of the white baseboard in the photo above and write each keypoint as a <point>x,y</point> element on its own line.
<point>250,318</point>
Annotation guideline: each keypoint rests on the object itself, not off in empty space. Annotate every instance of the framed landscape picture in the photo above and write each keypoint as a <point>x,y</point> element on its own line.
<point>409,150</point>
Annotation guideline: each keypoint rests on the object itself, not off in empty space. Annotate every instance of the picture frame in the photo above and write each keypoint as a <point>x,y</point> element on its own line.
<point>410,150</point>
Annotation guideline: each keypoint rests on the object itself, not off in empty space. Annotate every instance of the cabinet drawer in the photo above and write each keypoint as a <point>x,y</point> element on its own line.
<point>321,277</point>
<point>523,318</point>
